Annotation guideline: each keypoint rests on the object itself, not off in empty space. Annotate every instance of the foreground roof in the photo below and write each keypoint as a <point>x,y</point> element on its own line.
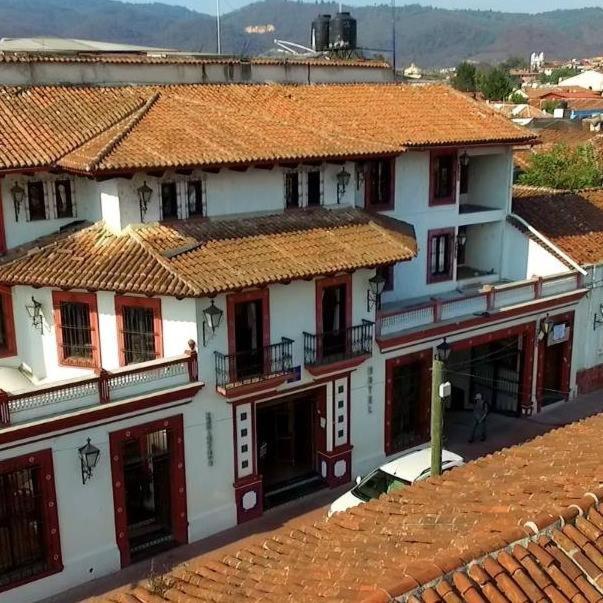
<point>389,546</point>
<point>116,129</point>
<point>573,221</point>
<point>199,257</point>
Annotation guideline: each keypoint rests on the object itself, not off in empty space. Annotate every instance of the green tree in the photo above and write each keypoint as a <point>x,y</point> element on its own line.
<point>514,62</point>
<point>550,105</point>
<point>465,78</point>
<point>565,168</point>
<point>517,98</point>
<point>495,84</point>
<point>558,74</point>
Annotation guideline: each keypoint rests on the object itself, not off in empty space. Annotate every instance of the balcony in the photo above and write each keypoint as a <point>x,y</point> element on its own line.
<point>64,397</point>
<point>349,347</point>
<point>414,320</point>
<point>246,371</point>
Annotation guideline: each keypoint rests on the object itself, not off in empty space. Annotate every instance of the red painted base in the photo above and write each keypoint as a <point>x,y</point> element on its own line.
<point>336,466</point>
<point>249,497</point>
<point>590,380</point>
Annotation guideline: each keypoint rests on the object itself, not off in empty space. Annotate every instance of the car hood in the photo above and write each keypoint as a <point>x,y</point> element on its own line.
<point>345,501</point>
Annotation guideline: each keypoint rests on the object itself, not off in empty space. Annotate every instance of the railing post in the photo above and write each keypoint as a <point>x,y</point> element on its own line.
<point>538,288</point>
<point>4,409</point>
<point>103,386</point>
<point>491,299</point>
<point>193,364</point>
<point>437,310</point>
<point>579,280</point>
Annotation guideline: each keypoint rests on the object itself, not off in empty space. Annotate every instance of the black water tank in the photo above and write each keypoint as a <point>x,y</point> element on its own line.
<point>343,31</point>
<point>320,33</point>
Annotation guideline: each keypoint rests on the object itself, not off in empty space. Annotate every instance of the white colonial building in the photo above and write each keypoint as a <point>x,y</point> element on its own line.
<point>192,321</point>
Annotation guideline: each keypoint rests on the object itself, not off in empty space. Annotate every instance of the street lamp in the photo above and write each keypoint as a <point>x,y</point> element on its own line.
<point>145,192</point>
<point>35,313</point>
<point>88,458</point>
<point>18,194</point>
<point>546,324</point>
<point>212,318</point>
<point>343,179</point>
<point>443,351</point>
<point>373,293</point>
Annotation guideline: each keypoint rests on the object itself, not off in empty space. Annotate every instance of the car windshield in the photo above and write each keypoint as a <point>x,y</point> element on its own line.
<point>378,483</point>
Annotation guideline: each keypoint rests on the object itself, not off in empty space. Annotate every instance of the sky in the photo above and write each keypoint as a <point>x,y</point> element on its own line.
<point>531,6</point>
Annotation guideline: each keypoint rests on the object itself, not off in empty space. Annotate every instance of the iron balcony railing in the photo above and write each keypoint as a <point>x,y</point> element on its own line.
<point>345,344</point>
<point>253,366</point>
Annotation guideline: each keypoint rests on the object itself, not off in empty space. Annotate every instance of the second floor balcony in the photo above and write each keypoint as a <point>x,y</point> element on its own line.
<point>351,345</point>
<point>254,368</point>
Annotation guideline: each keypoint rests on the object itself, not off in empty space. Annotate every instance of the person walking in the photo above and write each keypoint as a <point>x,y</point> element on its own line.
<point>480,414</point>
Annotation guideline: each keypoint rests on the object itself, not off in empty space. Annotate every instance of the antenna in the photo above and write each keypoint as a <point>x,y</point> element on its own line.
<point>218,26</point>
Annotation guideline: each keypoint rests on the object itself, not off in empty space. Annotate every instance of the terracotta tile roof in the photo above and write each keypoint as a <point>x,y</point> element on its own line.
<point>389,546</point>
<point>586,104</point>
<point>90,129</point>
<point>181,59</point>
<point>573,221</point>
<point>196,258</point>
<point>563,562</point>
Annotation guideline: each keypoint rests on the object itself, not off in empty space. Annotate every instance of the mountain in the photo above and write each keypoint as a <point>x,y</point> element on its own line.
<point>427,36</point>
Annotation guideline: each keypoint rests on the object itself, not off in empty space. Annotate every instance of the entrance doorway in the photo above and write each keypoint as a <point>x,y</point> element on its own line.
<point>334,320</point>
<point>147,464</point>
<point>406,406</point>
<point>552,375</point>
<point>286,448</point>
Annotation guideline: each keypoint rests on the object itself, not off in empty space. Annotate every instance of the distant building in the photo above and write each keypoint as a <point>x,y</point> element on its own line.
<point>591,80</point>
<point>536,61</point>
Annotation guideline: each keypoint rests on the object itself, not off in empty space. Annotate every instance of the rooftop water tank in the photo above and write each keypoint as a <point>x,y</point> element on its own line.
<point>320,33</point>
<point>343,31</point>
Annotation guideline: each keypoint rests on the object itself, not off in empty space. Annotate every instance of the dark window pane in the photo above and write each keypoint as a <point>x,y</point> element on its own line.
<point>440,255</point>
<point>314,188</point>
<point>292,189</point>
<point>139,334</point>
<point>195,198</point>
<point>444,176</point>
<point>169,200</point>
<point>464,184</point>
<point>76,330</point>
<point>378,181</point>
<point>23,550</point>
<point>62,189</point>
<point>35,197</point>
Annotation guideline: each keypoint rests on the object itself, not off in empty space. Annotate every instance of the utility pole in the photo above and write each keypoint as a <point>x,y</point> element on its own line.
<point>394,37</point>
<point>439,391</point>
<point>219,44</point>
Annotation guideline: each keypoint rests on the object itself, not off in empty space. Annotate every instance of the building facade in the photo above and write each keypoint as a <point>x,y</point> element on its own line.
<point>219,298</point>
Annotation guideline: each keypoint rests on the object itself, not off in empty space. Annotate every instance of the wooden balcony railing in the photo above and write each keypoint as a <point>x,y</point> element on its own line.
<point>253,366</point>
<point>491,300</point>
<point>108,386</point>
<point>326,348</point>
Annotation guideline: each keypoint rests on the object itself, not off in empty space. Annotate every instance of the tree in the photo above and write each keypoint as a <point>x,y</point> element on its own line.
<point>514,62</point>
<point>558,74</point>
<point>495,84</point>
<point>517,98</point>
<point>550,105</point>
<point>564,167</point>
<point>465,78</point>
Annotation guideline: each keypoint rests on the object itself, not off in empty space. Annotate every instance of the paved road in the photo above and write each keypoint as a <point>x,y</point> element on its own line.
<point>502,432</point>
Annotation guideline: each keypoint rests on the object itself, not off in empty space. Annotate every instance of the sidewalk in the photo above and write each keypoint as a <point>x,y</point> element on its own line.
<point>502,432</point>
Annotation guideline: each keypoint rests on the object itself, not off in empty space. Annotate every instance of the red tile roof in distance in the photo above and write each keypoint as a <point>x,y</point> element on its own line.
<point>418,535</point>
<point>573,221</point>
<point>116,129</point>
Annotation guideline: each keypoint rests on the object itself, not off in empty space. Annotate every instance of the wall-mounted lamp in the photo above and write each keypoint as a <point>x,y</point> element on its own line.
<point>35,313</point>
<point>145,192</point>
<point>343,179</point>
<point>373,293</point>
<point>464,159</point>
<point>18,194</point>
<point>598,317</point>
<point>546,324</point>
<point>88,458</point>
<point>442,351</point>
<point>359,174</point>
<point>212,319</point>
<point>461,240</point>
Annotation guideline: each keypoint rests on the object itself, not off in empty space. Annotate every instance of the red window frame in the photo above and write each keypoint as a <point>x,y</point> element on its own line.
<point>82,298</point>
<point>431,236</point>
<point>10,347</point>
<point>434,158</point>
<point>122,301</point>
<point>262,295</point>
<point>390,204</point>
<point>178,484</point>
<point>2,229</point>
<point>41,459</point>
<point>323,283</point>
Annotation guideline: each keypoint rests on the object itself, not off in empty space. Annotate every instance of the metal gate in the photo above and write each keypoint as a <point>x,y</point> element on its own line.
<point>23,550</point>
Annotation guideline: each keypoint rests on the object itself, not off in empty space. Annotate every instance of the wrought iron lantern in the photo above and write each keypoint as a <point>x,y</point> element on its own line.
<point>343,179</point>
<point>373,294</point>
<point>88,458</point>
<point>464,159</point>
<point>546,324</point>
<point>35,313</point>
<point>212,318</point>
<point>18,194</point>
<point>145,192</point>
<point>443,351</point>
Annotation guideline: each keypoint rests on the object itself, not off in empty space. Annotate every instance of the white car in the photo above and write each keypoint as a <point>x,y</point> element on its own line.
<point>412,466</point>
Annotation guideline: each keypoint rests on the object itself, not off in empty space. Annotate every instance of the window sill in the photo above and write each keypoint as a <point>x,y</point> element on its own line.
<point>79,363</point>
<point>433,280</point>
<point>438,202</point>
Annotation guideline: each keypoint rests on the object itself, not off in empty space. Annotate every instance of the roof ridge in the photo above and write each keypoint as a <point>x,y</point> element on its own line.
<point>131,231</point>
<point>132,121</point>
